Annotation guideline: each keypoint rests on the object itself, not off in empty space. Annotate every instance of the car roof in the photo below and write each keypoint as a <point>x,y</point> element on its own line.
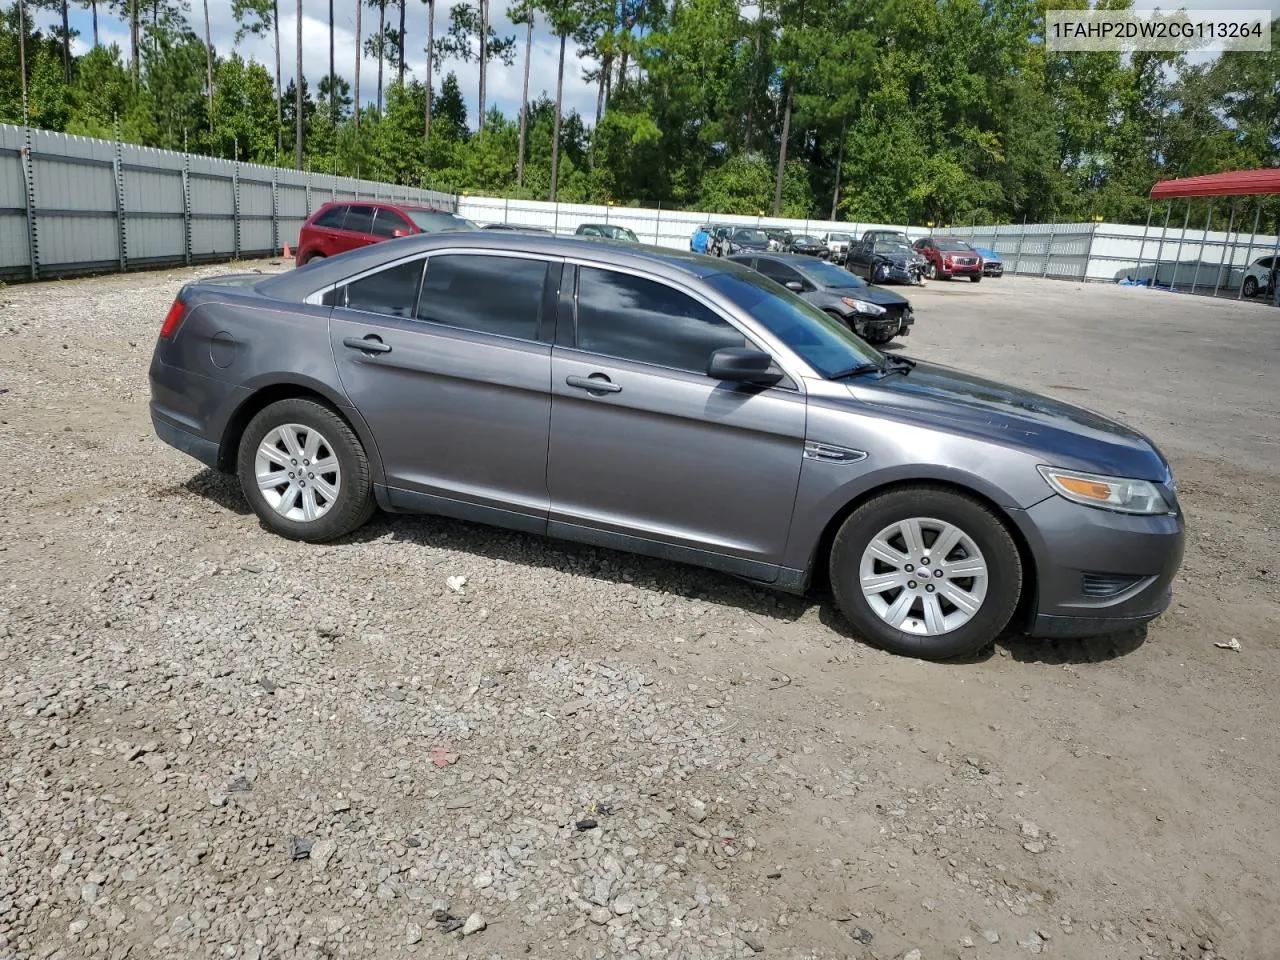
<point>395,204</point>
<point>301,282</point>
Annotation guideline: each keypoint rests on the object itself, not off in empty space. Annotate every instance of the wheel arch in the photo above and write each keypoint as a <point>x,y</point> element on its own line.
<point>818,572</point>
<point>268,393</point>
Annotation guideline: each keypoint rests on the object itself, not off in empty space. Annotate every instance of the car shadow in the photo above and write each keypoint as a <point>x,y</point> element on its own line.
<point>217,487</point>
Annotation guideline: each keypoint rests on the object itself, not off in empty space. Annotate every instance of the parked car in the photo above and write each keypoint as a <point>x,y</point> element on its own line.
<point>338,227</point>
<point>779,237</point>
<point>884,261</point>
<point>700,240</point>
<point>609,231</point>
<point>738,239</point>
<point>1260,277</point>
<point>809,246</point>
<point>992,265</point>
<point>893,236</point>
<point>654,402</point>
<point>516,227</point>
<point>837,245</point>
<point>874,314</point>
<point>949,257</point>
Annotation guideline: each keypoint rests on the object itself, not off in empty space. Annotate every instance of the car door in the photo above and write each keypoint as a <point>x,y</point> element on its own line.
<point>451,371</point>
<point>356,228</point>
<point>325,230</point>
<point>647,452</point>
<point>858,260</point>
<point>387,223</point>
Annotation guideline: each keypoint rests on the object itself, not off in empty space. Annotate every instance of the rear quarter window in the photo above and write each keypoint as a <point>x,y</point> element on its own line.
<point>331,218</point>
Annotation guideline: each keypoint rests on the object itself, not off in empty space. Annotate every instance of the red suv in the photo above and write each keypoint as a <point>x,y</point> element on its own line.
<point>949,257</point>
<point>338,227</point>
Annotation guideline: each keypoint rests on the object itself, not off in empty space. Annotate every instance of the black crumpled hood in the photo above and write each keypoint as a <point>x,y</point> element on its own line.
<point>1064,434</point>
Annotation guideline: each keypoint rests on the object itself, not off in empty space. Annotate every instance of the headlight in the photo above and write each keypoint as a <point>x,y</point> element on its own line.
<point>1121,494</point>
<point>861,306</point>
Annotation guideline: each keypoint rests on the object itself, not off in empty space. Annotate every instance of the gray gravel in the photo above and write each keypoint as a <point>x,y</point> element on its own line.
<point>436,739</point>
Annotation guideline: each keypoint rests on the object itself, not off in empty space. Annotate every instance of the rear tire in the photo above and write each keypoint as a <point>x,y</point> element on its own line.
<point>304,471</point>
<point>931,271</point>
<point>1250,286</point>
<point>886,602</point>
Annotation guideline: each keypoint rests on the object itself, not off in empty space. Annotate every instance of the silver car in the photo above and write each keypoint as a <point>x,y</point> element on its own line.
<point>673,405</point>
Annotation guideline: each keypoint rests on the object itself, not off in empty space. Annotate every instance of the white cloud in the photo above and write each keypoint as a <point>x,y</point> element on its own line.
<point>504,83</point>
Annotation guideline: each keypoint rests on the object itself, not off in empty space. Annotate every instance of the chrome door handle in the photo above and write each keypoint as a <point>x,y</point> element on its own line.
<point>370,344</point>
<point>596,383</point>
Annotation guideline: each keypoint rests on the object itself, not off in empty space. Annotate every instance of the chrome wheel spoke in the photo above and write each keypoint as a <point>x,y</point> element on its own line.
<point>310,509</point>
<point>913,538</point>
<point>274,455</point>
<point>899,609</point>
<point>963,600</point>
<point>880,582</point>
<point>327,465</point>
<point>885,553</point>
<point>934,622</point>
<point>314,487</point>
<point>273,480</point>
<point>312,445</point>
<point>287,500</point>
<point>289,436</point>
<point>945,543</point>
<point>325,488</point>
<point>968,567</point>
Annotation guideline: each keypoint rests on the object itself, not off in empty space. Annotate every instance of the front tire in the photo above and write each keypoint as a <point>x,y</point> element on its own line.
<point>927,572</point>
<point>931,271</point>
<point>880,273</point>
<point>1250,286</point>
<point>304,471</point>
<point>314,257</point>
<point>975,278</point>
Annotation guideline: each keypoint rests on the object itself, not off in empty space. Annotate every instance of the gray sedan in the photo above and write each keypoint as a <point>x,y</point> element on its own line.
<point>673,405</point>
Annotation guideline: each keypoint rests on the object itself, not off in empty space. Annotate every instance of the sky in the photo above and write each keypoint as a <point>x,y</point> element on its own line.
<point>503,86</point>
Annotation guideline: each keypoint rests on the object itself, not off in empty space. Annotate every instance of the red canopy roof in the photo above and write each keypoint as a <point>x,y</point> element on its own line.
<point>1237,183</point>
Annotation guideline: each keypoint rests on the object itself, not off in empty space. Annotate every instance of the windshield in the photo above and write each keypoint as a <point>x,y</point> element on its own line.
<point>839,237</point>
<point>750,236</point>
<point>431,221</point>
<point>617,233</point>
<point>806,241</point>
<point>892,246</point>
<point>821,341</point>
<point>953,245</point>
<point>829,275</point>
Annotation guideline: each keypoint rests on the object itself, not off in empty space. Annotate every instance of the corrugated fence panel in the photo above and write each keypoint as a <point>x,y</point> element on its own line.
<point>257,206</point>
<point>75,194</point>
<point>213,206</point>
<point>15,251</point>
<point>155,223</point>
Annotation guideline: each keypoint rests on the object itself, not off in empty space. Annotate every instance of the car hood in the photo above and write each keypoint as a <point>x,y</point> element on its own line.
<point>879,295</point>
<point>1063,434</point>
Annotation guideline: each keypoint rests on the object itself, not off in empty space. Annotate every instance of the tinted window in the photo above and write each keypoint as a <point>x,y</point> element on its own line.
<point>589,231</point>
<point>638,319</point>
<point>829,275</point>
<point>824,343</point>
<point>359,219</point>
<point>434,221</point>
<point>750,236</point>
<point>387,222</point>
<point>392,291</point>
<point>775,270</point>
<point>500,295</point>
<point>331,218</point>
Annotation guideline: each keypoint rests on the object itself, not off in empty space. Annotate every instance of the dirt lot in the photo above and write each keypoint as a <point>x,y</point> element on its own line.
<point>188,704</point>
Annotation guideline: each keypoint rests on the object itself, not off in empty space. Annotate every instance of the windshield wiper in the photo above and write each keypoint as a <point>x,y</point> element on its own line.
<point>859,369</point>
<point>901,364</point>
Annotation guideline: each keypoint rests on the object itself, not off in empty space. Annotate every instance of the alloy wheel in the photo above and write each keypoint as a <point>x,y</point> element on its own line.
<point>923,576</point>
<point>298,473</point>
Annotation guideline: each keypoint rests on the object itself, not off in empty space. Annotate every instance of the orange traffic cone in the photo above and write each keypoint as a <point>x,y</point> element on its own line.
<point>287,254</point>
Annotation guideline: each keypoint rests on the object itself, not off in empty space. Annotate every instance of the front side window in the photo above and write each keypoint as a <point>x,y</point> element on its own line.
<point>485,294</point>
<point>359,219</point>
<point>637,319</point>
<point>829,275</point>
<point>392,292</point>
<point>775,270</point>
<point>387,222</point>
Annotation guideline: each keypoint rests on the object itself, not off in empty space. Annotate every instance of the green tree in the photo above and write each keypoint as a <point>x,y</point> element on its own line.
<point>256,17</point>
<point>468,24</point>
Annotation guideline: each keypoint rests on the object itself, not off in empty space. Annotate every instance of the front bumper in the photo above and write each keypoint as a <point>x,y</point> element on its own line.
<point>993,269</point>
<point>908,274</point>
<point>890,325</point>
<point>1099,572</point>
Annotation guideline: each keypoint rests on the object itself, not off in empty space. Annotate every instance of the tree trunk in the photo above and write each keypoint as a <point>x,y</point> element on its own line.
<point>93,5</point>
<point>401,41</point>
<point>782,151</point>
<point>275,20</point>
<point>208,59</point>
<point>359,7</point>
<point>835,194</point>
<point>624,42</point>
<point>135,40</point>
<point>382,43</point>
<point>555,137</point>
<point>484,56</point>
<point>22,53</point>
<point>431,40</point>
<point>297,99</point>
<point>524,97</point>
<point>66,43</point>
<point>333,78</point>
<point>604,69</point>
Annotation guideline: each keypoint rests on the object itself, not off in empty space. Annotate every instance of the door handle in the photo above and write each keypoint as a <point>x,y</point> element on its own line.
<point>596,383</point>
<point>370,344</point>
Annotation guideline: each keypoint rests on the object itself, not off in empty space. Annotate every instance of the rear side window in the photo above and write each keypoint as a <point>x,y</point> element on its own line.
<point>497,295</point>
<point>387,222</point>
<point>777,271</point>
<point>331,218</point>
<point>637,319</point>
<point>359,219</point>
<point>393,292</point>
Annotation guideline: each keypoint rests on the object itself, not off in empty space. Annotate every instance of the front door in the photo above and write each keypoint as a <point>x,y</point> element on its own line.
<point>452,373</point>
<point>650,454</point>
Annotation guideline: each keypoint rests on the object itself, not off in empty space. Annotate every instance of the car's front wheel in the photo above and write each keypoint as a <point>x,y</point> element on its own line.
<point>1250,286</point>
<point>926,572</point>
<point>931,271</point>
<point>304,471</point>
<point>975,277</point>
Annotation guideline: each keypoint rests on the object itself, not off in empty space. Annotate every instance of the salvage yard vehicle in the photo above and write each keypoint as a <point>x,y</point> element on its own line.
<point>737,239</point>
<point>338,227</point>
<point>659,402</point>
<point>949,257</point>
<point>992,265</point>
<point>1260,277</point>
<point>875,314</point>
<point>884,261</point>
<point>809,246</point>
<point>608,231</point>
<point>837,245</point>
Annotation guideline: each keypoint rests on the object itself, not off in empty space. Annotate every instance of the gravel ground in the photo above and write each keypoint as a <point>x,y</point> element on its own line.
<point>217,743</point>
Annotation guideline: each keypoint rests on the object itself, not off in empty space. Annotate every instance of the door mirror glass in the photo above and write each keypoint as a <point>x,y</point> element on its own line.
<point>743,365</point>
<point>795,285</point>
<point>399,233</point>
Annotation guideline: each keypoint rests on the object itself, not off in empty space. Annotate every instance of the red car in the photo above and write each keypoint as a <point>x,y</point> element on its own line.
<point>338,227</point>
<point>949,257</point>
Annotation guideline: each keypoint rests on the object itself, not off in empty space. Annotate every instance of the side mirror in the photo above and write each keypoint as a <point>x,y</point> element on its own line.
<point>795,285</point>
<point>399,233</point>
<point>742,365</point>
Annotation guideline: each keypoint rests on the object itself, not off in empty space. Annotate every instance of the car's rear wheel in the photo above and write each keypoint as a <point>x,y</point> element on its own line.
<point>931,271</point>
<point>926,572</point>
<point>304,471</point>
<point>1250,286</point>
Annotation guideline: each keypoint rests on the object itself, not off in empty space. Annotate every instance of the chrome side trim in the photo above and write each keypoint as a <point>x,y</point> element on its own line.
<point>830,453</point>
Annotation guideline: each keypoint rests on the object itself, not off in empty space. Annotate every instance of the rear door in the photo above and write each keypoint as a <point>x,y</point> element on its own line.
<point>322,235</point>
<point>452,374</point>
<point>356,228</point>
<point>650,454</point>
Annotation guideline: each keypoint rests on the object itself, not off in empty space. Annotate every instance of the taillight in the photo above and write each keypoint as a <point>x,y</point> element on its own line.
<point>172,319</point>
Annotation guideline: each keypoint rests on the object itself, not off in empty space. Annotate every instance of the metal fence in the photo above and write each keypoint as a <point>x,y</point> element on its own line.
<point>75,205</point>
